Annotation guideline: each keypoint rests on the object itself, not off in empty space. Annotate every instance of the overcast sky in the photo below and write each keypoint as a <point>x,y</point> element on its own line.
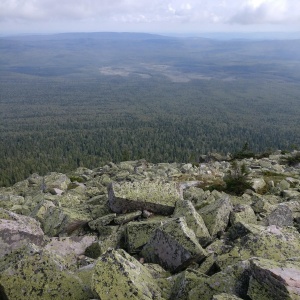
<point>171,16</point>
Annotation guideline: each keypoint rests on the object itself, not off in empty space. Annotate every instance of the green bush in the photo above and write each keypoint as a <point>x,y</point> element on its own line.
<point>292,160</point>
<point>236,181</point>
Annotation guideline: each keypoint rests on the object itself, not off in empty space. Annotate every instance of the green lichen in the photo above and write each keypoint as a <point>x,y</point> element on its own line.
<point>146,191</point>
<point>117,275</point>
<point>139,233</point>
<point>41,276</point>
<point>193,220</point>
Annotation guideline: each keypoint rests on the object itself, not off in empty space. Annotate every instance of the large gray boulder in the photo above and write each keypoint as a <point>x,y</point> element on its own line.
<point>242,213</point>
<point>193,219</point>
<point>281,216</point>
<point>70,248</point>
<point>139,233</point>
<point>174,246</point>
<point>40,274</point>
<point>17,231</point>
<point>55,181</point>
<point>216,215</point>
<point>270,242</point>
<point>157,197</point>
<point>234,280</point>
<point>117,275</point>
<point>64,221</point>
<point>274,280</point>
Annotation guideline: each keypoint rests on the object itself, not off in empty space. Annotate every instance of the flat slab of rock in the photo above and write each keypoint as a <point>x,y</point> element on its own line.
<point>117,275</point>
<point>17,231</point>
<point>274,280</point>
<point>174,246</point>
<point>156,197</point>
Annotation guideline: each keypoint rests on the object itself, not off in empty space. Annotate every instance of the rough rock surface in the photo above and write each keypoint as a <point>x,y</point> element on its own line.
<point>41,275</point>
<point>193,219</point>
<point>216,215</point>
<point>118,275</point>
<point>184,239</point>
<point>281,216</point>
<point>17,231</point>
<point>145,195</point>
<point>139,233</point>
<point>274,280</point>
<point>174,246</point>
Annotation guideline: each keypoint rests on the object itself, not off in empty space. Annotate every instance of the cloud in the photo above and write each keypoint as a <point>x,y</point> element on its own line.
<point>267,12</point>
<point>170,13</point>
<point>130,10</point>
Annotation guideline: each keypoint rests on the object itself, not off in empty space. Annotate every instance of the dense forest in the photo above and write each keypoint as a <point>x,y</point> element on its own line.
<point>73,100</point>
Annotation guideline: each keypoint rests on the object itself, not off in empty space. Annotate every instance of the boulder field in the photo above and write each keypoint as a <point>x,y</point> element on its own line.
<point>137,230</point>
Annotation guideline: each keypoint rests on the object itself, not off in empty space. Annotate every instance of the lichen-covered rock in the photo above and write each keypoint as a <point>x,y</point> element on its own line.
<point>241,229</point>
<point>193,219</point>
<point>70,198</point>
<point>102,221</point>
<point>174,246</point>
<point>157,197</point>
<point>63,221</point>
<point>40,210</point>
<point>291,194</point>
<point>225,296</point>
<point>258,184</point>
<point>139,233</point>
<point>85,273</point>
<point>7,201</point>
<point>56,181</point>
<point>242,213</point>
<point>271,242</point>
<point>117,275</point>
<point>109,237</point>
<point>41,275</point>
<point>70,247</point>
<point>125,218</point>
<point>284,185</point>
<point>216,215</point>
<point>17,231</point>
<point>184,282</point>
<point>262,205</point>
<point>274,280</point>
<point>281,216</point>
<point>233,280</point>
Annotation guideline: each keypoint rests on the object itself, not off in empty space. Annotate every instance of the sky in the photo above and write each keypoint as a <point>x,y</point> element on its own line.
<point>153,16</point>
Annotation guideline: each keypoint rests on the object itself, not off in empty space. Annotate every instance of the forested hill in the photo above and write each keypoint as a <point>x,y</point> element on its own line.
<point>70,100</point>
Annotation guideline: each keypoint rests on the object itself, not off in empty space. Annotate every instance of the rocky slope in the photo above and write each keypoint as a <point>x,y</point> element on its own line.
<point>137,230</point>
